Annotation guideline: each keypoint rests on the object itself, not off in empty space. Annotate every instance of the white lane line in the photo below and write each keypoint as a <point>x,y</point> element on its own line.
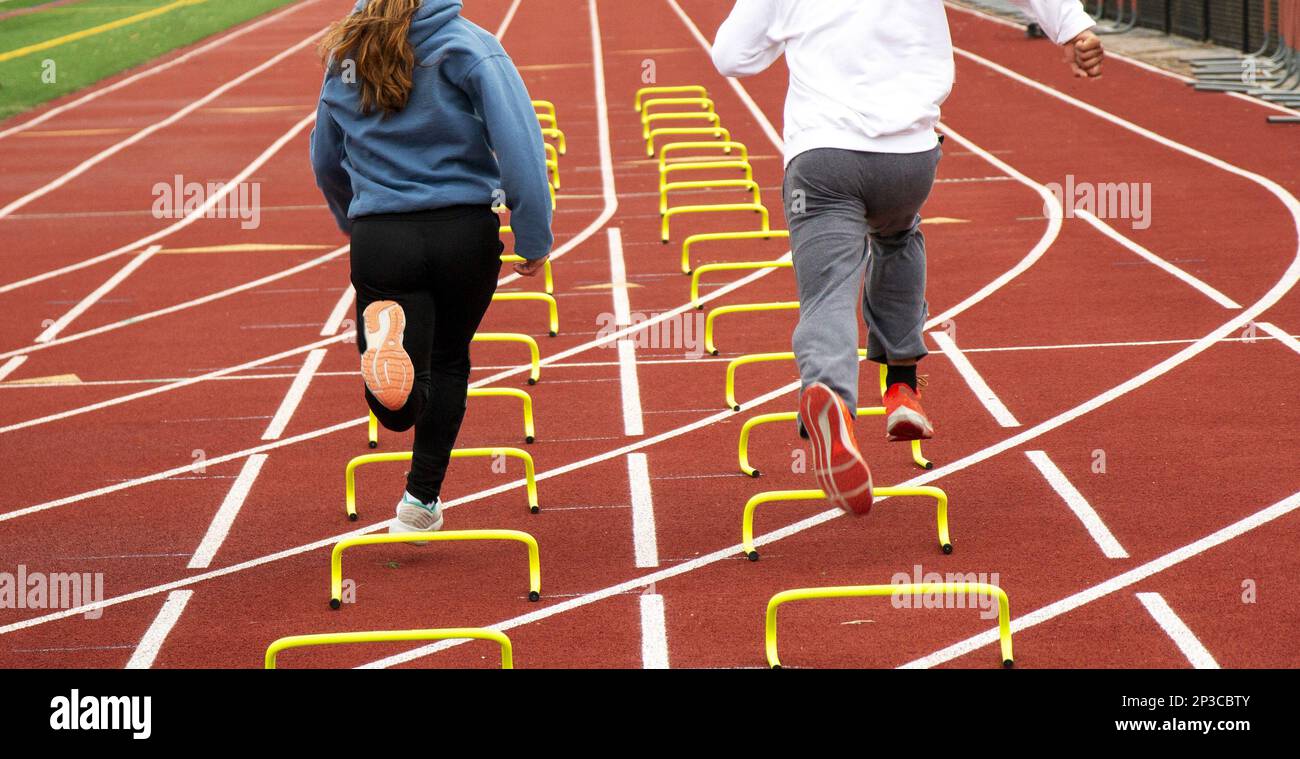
<point>654,632</point>
<point>152,641</point>
<point>198,213</point>
<point>633,419</point>
<point>977,384</point>
<point>618,278</point>
<point>152,70</point>
<point>644,537</point>
<point>1131,61</point>
<point>1078,504</point>
<point>174,385</point>
<point>225,518</point>
<point>94,297</point>
<point>608,190</point>
<point>763,122</point>
<point>340,311</point>
<point>1178,631</point>
<point>9,366</point>
<point>294,397</point>
<point>1159,262</point>
<point>1273,330</point>
<point>202,300</point>
<point>509,17</point>
<point>1119,582</point>
<point>108,152</point>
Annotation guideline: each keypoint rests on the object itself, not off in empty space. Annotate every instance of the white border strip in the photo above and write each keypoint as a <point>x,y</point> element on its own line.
<point>978,386</point>
<point>1078,504</point>
<point>146,651</point>
<point>1178,631</point>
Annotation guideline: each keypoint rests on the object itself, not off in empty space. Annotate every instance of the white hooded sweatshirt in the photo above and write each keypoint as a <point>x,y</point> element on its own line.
<point>865,75</point>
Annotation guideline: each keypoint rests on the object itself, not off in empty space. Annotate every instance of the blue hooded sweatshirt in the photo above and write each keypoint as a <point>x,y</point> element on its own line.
<point>467,134</point>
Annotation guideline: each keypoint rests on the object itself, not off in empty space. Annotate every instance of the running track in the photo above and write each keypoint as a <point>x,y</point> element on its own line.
<point>1091,350</point>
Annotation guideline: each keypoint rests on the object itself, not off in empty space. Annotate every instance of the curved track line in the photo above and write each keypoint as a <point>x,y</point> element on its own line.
<point>210,297</point>
<point>1127,59</point>
<point>178,225</point>
<point>108,152</point>
<point>151,71</point>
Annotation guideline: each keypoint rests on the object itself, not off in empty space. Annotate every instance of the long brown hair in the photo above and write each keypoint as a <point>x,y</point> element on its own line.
<point>374,43</point>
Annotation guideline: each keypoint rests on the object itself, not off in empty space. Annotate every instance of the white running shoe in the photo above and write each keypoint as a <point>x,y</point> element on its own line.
<point>416,516</point>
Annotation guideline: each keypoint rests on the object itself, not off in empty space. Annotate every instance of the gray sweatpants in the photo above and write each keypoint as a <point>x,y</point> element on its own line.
<point>854,214</point>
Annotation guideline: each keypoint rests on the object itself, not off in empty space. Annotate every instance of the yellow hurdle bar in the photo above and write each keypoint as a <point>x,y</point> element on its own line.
<point>726,147</point>
<point>534,353</point>
<point>741,308</point>
<point>924,491</point>
<point>555,134</point>
<point>680,89</point>
<point>336,557</point>
<point>545,106</point>
<point>736,266</point>
<point>724,236</point>
<point>756,358</point>
<point>704,103</point>
<point>699,166</point>
<point>648,122</point>
<point>394,636</point>
<point>911,589</point>
<point>548,276</point>
<point>547,121</point>
<point>552,307</point>
<point>350,474</point>
<point>757,208</point>
<point>789,416</point>
<point>718,132</point>
<point>748,185</point>
<point>480,392</point>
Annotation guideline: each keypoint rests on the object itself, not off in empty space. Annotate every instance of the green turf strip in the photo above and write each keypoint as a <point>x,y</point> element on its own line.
<point>24,81</point>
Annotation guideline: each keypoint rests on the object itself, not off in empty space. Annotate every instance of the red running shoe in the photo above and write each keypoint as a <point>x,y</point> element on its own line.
<point>904,417</point>
<point>385,366</point>
<point>841,471</point>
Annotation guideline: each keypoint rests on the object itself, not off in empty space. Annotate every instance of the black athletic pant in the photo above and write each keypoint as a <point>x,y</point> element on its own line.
<point>441,266</point>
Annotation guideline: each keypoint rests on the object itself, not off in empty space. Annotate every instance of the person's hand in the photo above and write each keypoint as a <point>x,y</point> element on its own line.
<point>1084,53</point>
<point>530,268</point>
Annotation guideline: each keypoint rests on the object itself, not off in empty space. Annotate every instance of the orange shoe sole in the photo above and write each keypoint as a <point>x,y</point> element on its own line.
<point>841,470</point>
<point>385,366</point>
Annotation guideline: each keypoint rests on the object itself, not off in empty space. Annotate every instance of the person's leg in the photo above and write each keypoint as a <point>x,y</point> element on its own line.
<point>828,231</point>
<point>464,263</point>
<point>894,306</point>
<point>387,266</point>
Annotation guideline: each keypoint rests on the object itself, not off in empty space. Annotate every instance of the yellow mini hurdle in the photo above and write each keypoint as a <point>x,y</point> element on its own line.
<point>756,358</point>
<point>724,146</point>
<point>948,589</point>
<point>336,556</point>
<point>705,104</point>
<point>717,132</point>
<point>393,636</point>
<point>648,122</point>
<point>918,458</point>
<point>748,185</point>
<point>548,276</point>
<point>736,266</point>
<point>767,234</point>
<point>552,307</point>
<point>350,474</point>
<point>551,133</point>
<point>530,434</point>
<point>668,215</point>
<point>925,491</point>
<point>679,89</point>
<point>741,308</point>
<point>552,164</point>
<point>534,353</point>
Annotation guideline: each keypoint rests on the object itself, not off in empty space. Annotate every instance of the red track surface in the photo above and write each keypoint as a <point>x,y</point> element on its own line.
<point>1211,441</point>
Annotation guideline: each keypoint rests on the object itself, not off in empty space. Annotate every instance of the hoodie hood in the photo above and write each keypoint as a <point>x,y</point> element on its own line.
<point>431,16</point>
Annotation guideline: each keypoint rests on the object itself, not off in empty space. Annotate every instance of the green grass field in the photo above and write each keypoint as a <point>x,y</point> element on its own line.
<point>32,78</point>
